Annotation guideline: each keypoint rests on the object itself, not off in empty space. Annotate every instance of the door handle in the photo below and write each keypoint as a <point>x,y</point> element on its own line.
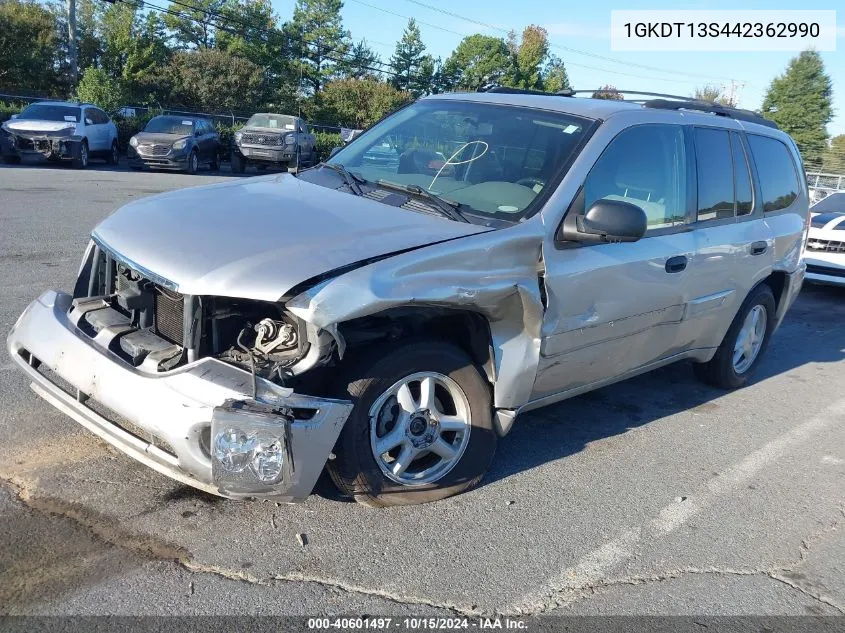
<point>676,264</point>
<point>758,248</point>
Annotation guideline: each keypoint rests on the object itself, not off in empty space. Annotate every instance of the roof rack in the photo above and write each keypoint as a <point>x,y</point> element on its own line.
<point>663,102</point>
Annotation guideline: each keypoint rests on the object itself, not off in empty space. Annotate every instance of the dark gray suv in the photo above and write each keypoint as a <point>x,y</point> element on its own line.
<point>277,140</point>
<point>175,142</point>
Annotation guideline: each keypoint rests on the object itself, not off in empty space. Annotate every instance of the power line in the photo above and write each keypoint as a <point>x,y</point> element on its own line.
<point>567,48</point>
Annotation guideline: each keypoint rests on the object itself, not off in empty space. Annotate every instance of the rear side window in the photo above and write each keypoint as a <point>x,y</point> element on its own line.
<point>744,197</point>
<point>715,174</point>
<point>776,171</point>
<point>646,166</point>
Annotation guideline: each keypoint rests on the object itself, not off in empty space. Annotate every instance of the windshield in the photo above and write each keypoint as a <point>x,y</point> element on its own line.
<point>170,125</point>
<point>50,113</point>
<point>493,159</point>
<point>833,202</point>
<point>276,121</point>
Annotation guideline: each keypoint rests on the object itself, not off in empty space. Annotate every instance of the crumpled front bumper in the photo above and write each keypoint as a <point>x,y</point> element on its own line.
<point>45,145</point>
<point>164,420</point>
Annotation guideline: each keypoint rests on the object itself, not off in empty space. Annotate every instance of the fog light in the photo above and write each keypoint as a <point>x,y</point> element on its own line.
<point>233,449</point>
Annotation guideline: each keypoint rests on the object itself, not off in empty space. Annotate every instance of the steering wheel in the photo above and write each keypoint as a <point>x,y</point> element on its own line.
<point>531,182</point>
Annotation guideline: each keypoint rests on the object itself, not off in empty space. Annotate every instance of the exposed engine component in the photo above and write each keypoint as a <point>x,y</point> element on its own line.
<point>272,335</point>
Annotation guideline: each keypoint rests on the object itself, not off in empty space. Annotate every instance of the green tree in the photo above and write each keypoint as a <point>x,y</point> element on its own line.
<point>98,87</point>
<point>800,102</point>
<point>414,69</point>
<point>28,47</point>
<point>478,61</point>
<point>609,92</point>
<point>833,158</point>
<point>529,54</point>
<point>212,81</point>
<point>359,103</point>
<point>361,61</point>
<point>714,94</point>
<point>193,27</point>
<point>555,78</point>
<point>251,32</point>
<point>317,28</point>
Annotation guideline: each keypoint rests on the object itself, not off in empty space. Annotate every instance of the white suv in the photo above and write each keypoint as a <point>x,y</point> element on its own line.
<point>60,131</point>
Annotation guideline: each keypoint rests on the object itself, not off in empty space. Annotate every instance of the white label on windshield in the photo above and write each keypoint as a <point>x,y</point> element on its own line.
<point>289,126</point>
<point>187,122</point>
<point>507,208</point>
<point>70,118</point>
<point>569,129</point>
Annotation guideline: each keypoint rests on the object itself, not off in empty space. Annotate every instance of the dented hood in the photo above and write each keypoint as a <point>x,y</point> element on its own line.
<point>259,237</point>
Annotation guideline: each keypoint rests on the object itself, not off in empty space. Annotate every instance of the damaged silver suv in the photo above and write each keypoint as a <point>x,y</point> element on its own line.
<point>389,314</point>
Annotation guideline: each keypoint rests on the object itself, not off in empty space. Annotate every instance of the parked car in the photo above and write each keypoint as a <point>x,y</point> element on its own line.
<point>273,140</point>
<point>825,252</point>
<point>175,142</point>
<point>61,131</point>
<point>389,321</point>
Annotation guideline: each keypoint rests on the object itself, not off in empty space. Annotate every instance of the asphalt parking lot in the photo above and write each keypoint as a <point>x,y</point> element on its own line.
<point>655,496</point>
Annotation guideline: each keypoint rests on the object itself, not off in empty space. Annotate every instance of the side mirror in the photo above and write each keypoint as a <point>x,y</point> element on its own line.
<point>612,221</point>
<point>88,121</point>
<point>197,132</point>
<point>334,151</point>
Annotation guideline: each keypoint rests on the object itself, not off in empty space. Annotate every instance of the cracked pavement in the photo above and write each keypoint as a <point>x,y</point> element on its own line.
<point>655,496</point>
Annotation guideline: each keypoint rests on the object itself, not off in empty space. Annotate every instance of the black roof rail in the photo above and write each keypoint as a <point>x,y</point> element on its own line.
<point>664,102</point>
<point>524,91</point>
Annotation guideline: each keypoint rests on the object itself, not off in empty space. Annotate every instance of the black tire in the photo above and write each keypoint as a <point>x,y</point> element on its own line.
<point>114,155</point>
<point>720,370</point>
<point>192,166</point>
<point>135,167</point>
<point>238,164</point>
<point>80,161</point>
<point>354,469</point>
<point>12,160</point>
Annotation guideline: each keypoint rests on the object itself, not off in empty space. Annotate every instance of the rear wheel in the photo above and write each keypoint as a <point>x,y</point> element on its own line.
<point>744,344</point>
<point>238,164</point>
<point>81,160</point>
<point>421,428</point>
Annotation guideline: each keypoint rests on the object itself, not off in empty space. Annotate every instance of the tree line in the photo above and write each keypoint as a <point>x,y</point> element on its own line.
<point>239,56</point>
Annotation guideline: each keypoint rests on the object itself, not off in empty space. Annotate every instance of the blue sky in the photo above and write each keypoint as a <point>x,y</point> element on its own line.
<point>585,26</point>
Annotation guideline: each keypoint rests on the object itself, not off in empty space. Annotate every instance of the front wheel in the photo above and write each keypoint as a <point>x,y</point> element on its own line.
<point>421,428</point>
<point>81,160</point>
<point>114,155</point>
<point>193,163</point>
<point>744,344</point>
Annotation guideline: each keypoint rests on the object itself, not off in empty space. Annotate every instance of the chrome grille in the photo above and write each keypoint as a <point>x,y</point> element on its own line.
<point>153,149</point>
<point>827,246</point>
<point>268,140</point>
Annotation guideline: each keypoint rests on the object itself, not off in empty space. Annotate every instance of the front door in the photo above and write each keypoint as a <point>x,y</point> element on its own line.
<point>615,307</point>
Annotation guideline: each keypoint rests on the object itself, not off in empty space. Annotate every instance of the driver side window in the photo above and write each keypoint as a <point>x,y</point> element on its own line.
<point>646,166</point>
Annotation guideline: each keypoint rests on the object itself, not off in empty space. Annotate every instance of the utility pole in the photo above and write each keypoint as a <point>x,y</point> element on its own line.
<point>71,32</point>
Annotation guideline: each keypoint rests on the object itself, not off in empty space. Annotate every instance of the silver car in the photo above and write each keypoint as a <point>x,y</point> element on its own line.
<point>390,320</point>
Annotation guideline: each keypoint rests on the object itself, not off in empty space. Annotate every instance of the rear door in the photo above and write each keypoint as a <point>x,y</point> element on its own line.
<point>732,242</point>
<point>94,130</point>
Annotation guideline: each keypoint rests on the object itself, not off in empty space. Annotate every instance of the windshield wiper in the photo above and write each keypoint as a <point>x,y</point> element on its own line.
<point>448,208</point>
<point>353,181</point>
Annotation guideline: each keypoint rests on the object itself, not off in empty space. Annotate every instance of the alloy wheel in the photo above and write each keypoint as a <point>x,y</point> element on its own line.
<point>749,340</point>
<point>419,428</point>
